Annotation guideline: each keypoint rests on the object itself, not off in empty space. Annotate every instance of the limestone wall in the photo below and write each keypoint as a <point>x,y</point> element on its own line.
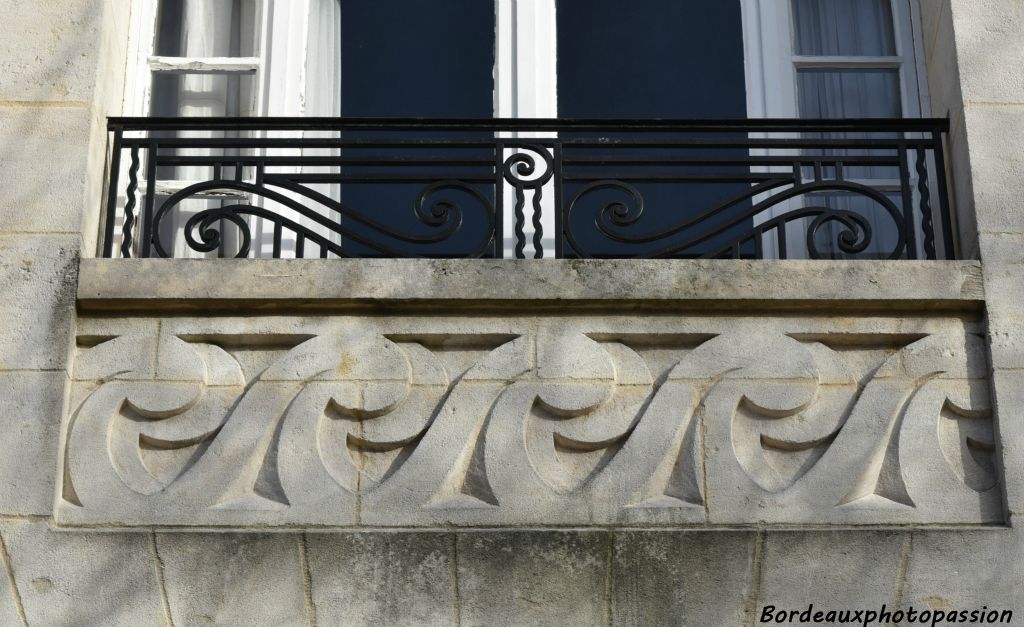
<point>951,332</point>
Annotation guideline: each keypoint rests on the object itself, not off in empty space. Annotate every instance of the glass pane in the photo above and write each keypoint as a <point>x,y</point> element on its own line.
<point>843,28</point>
<point>206,28</point>
<point>417,59</point>
<point>832,93</point>
<point>650,58</point>
<point>193,94</point>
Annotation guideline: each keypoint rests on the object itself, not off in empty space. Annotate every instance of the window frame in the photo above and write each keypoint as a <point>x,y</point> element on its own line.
<point>525,71</point>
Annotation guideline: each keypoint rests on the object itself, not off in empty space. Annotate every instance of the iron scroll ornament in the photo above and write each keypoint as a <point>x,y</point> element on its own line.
<point>520,171</point>
<point>433,207</point>
<point>614,219</point>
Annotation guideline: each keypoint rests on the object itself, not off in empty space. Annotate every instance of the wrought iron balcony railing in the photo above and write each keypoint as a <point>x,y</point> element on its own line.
<point>297,187</point>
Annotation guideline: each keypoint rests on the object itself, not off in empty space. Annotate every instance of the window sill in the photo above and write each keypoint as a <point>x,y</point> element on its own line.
<point>269,286</point>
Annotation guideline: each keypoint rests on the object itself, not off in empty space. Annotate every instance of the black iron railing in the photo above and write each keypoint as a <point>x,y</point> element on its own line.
<point>315,187</point>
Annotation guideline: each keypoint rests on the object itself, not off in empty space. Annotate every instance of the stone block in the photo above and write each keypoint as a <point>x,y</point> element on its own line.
<point>533,578</point>
<point>966,570</point>
<point>1008,386</point>
<point>996,165</point>
<point>1006,333</point>
<point>30,411</point>
<point>37,299</point>
<point>681,577</point>
<point>383,578</point>
<point>51,53</point>
<point>9,610</point>
<point>964,219</point>
<point>234,579</point>
<point>988,36</point>
<point>84,579</point>
<point>831,569</point>
<point>1003,250</point>
<point>43,154</point>
<point>530,285</point>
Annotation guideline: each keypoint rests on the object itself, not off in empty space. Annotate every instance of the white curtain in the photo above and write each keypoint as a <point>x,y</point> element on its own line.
<point>843,27</point>
<point>302,65</point>
<point>849,28</point>
<point>221,28</point>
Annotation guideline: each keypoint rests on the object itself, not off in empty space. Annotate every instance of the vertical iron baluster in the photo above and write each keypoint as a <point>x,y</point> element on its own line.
<point>147,211</point>
<point>277,240</point>
<point>780,232</point>
<point>300,246</point>
<point>945,210</point>
<point>559,201</point>
<point>115,171</point>
<point>129,204</point>
<point>538,228</point>
<point>909,228</point>
<point>499,199</point>
<point>520,220</point>
<point>924,189</point>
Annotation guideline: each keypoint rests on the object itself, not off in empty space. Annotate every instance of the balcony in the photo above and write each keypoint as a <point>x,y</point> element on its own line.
<point>313,187</point>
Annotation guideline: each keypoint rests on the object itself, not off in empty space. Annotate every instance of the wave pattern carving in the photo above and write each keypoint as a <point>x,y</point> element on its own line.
<point>561,422</point>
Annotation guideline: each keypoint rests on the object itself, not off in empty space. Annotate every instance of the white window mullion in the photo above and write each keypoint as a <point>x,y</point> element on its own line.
<point>526,87</point>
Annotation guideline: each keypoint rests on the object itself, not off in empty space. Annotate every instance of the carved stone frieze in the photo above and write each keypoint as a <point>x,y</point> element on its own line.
<point>584,420</point>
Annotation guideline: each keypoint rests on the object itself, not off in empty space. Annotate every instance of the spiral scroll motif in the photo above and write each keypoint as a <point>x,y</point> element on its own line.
<point>619,210</point>
<point>521,171</point>
<point>440,206</point>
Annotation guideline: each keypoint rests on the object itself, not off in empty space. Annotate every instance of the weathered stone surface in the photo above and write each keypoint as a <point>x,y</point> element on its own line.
<point>1009,395</point>
<point>43,194</point>
<point>51,53</point>
<point>681,578</point>
<point>37,291</point>
<point>966,570</point>
<point>533,578</point>
<point>831,569</point>
<point>383,578</point>
<point>109,284</point>
<point>9,611</point>
<point>389,421</point>
<point>84,579</point>
<point>996,168</point>
<point>232,579</point>
<point>988,36</point>
<point>30,407</point>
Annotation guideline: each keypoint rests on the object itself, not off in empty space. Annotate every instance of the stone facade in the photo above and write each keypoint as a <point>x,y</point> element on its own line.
<point>435,442</point>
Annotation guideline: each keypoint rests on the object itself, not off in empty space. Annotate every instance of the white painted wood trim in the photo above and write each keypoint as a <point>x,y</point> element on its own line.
<point>205,65</point>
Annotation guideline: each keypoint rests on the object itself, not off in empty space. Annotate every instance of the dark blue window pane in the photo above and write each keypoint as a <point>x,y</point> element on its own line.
<point>651,58</point>
<point>418,58</point>
<point>656,59</point>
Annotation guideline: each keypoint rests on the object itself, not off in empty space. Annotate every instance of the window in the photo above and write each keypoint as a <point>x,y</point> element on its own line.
<point>691,59</point>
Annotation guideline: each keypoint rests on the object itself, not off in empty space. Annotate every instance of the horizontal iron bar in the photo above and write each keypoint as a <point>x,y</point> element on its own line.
<point>716,177</point>
<point>384,178</point>
<point>568,144</point>
<point>252,160</point>
<point>527,124</point>
<point>826,161</point>
<point>781,142</point>
<point>310,142</point>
